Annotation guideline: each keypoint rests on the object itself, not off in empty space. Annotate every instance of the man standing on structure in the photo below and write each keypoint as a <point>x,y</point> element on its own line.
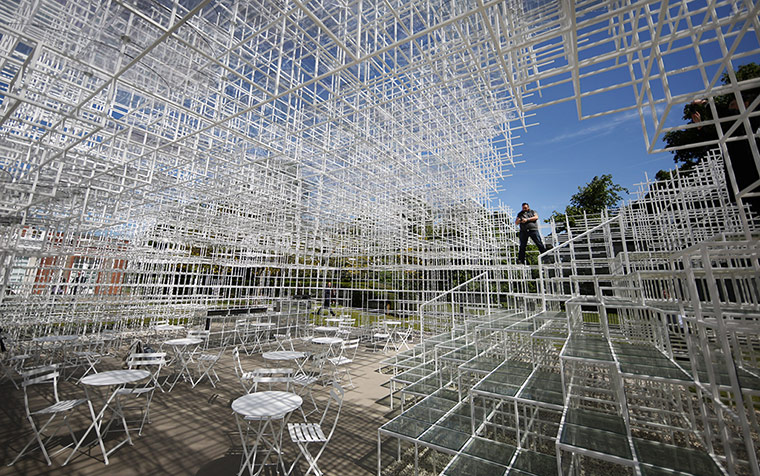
<point>329,297</point>
<point>528,221</point>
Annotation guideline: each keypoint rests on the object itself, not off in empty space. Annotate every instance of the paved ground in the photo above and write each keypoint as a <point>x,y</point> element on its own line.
<point>193,431</point>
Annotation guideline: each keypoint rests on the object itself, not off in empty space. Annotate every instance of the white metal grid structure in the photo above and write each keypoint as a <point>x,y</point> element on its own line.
<point>641,356</point>
<point>162,160</point>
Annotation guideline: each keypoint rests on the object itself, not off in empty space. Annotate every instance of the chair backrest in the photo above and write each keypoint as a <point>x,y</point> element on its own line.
<point>349,348</point>
<point>203,335</point>
<point>336,398</point>
<point>151,361</point>
<point>146,359</point>
<point>198,334</point>
<point>405,333</point>
<point>237,365</point>
<point>272,376</point>
<point>317,363</point>
<point>39,375</point>
<point>135,346</point>
<point>284,341</point>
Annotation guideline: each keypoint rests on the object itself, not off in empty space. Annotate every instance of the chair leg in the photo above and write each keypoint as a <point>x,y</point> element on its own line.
<point>311,460</point>
<point>37,438</point>
<point>146,415</point>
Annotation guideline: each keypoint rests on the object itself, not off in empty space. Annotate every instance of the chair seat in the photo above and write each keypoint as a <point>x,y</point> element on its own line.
<point>134,391</point>
<point>208,357</point>
<point>306,432</point>
<point>382,336</point>
<point>340,360</point>
<point>304,380</point>
<point>62,406</point>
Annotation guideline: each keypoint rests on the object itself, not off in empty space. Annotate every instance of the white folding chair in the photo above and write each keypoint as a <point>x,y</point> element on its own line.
<point>271,377</point>
<point>284,342</point>
<point>43,375</point>
<point>402,338</point>
<point>206,363</point>
<point>202,335</point>
<point>241,374</point>
<point>382,336</point>
<point>345,359</point>
<point>12,366</point>
<point>345,328</point>
<point>153,362</point>
<point>305,434</point>
<point>303,382</point>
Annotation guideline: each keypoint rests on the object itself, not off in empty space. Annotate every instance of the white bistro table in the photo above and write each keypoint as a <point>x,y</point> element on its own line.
<point>180,357</point>
<point>332,342</point>
<point>253,335</point>
<point>287,355</point>
<point>116,380</point>
<point>55,343</point>
<point>326,329</point>
<point>265,409</point>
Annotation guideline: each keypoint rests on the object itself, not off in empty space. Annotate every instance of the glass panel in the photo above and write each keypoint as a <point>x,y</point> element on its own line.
<point>423,387</point>
<point>445,438</point>
<point>406,426</point>
<point>465,466</point>
<point>531,463</point>
<point>592,419</point>
<point>541,396</point>
<point>676,458</point>
<point>438,403</point>
<point>426,414</point>
<point>448,394</point>
<point>490,450</point>
<point>457,422</point>
<point>604,442</point>
<point>672,373</point>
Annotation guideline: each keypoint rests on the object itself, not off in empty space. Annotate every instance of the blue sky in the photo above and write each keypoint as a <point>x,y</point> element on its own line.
<point>562,153</point>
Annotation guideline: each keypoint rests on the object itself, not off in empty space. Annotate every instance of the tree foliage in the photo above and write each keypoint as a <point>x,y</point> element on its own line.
<point>600,193</point>
<point>700,111</point>
<point>739,150</point>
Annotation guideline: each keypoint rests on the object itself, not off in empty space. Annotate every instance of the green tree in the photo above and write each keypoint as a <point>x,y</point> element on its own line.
<point>740,151</point>
<point>699,111</point>
<point>600,193</point>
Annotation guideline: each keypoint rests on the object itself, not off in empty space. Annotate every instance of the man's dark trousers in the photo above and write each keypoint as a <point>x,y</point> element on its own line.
<point>533,234</point>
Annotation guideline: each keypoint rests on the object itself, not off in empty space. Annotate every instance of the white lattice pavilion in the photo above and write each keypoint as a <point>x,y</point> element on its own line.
<point>178,159</point>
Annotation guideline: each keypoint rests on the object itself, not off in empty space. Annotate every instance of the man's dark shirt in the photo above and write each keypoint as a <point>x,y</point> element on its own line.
<point>531,225</point>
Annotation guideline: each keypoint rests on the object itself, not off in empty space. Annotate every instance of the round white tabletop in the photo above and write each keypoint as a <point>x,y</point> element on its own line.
<point>168,327</point>
<point>283,355</point>
<point>327,340</point>
<point>326,329</point>
<point>183,341</point>
<point>266,404</point>
<point>114,377</point>
<point>393,323</point>
<point>334,319</point>
<point>64,338</point>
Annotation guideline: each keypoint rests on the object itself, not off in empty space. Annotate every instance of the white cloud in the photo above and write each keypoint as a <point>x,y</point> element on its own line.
<point>606,126</point>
